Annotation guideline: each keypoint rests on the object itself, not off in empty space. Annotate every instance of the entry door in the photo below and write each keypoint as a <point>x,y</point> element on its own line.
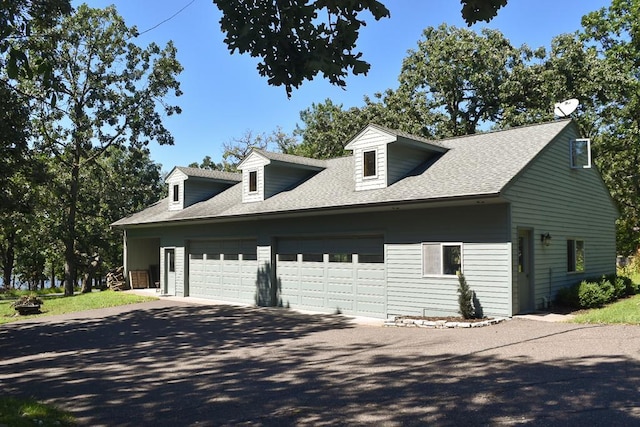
<point>525,272</point>
<point>170,271</point>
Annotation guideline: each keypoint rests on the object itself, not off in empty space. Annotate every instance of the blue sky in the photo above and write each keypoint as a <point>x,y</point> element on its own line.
<point>224,96</point>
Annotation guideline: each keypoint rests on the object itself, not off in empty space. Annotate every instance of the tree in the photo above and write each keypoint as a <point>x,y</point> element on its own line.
<point>614,33</point>
<point>235,150</point>
<point>458,75</point>
<point>111,93</point>
<point>17,19</point>
<point>297,39</point>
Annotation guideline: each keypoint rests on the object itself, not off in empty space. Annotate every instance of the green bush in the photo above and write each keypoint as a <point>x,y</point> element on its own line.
<point>465,298</point>
<point>568,297</point>
<point>592,294</point>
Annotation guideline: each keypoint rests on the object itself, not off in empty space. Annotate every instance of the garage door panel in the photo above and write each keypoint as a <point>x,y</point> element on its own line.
<point>311,300</point>
<point>316,269</point>
<point>341,288</point>
<point>339,273</point>
<point>342,304</point>
<point>354,288</point>
<point>214,277</point>
<point>367,273</point>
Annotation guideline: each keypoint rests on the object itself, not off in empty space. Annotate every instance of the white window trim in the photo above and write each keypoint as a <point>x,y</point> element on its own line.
<point>442,245</point>
<point>249,182</point>
<point>575,255</point>
<point>573,141</point>
<point>375,175</point>
<point>175,193</point>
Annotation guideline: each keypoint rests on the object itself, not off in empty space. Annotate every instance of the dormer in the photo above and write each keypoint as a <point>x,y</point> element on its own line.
<point>383,156</point>
<point>265,174</point>
<point>188,186</point>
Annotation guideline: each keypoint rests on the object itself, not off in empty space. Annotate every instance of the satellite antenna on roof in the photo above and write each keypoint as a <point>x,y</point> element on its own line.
<point>565,108</point>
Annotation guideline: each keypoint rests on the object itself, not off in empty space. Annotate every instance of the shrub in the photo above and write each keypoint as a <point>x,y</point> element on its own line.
<point>592,294</point>
<point>568,297</point>
<point>465,298</point>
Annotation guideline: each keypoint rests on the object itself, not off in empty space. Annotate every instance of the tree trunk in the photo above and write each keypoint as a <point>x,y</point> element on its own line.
<point>70,262</point>
<point>8,255</point>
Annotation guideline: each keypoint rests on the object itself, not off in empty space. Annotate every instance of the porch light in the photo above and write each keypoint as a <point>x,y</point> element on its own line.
<point>545,239</point>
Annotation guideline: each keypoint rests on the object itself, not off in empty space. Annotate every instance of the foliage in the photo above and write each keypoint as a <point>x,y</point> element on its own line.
<point>17,20</point>
<point>296,40</point>
<point>596,292</point>
<point>614,33</point>
<point>237,149</point>
<point>27,300</point>
<point>465,298</point>
<point>58,305</point>
<point>458,75</point>
<point>111,93</point>
<point>27,412</point>
<point>626,311</point>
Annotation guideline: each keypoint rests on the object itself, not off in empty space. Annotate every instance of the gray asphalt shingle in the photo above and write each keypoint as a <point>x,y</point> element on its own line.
<point>475,165</point>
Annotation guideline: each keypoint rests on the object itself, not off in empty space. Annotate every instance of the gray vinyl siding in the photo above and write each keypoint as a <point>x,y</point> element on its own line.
<point>371,182</point>
<point>395,287</point>
<point>483,233</point>
<point>551,197</point>
<point>253,163</point>
<point>196,191</point>
<point>401,160</point>
<point>278,179</point>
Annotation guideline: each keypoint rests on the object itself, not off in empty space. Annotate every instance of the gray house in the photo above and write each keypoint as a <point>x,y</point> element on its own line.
<point>384,232</point>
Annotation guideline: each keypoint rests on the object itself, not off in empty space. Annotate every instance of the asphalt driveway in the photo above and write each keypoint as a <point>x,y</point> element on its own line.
<point>177,364</point>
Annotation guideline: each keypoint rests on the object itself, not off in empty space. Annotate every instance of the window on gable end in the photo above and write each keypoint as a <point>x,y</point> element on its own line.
<point>581,153</point>
<point>176,192</point>
<point>369,163</point>
<point>253,181</point>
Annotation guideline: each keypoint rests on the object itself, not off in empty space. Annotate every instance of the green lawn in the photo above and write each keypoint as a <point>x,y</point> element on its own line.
<point>625,311</point>
<point>61,305</point>
<point>29,412</point>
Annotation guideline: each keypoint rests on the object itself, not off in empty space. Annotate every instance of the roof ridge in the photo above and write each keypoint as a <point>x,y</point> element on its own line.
<point>291,158</point>
<point>494,131</point>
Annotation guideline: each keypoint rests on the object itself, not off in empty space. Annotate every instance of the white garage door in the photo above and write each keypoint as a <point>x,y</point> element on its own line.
<point>224,270</point>
<point>345,274</point>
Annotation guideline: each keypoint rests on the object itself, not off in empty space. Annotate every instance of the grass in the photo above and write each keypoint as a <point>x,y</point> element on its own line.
<point>29,412</point>
<point>624,311</point>
<point>80,302</point>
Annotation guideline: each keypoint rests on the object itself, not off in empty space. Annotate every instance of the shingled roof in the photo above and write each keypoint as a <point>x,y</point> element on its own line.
<point>210,174</point>
<point>473,166</point>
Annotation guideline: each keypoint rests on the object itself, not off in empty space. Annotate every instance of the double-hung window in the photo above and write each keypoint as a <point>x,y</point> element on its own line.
<point>441,259</point>
<point>575,255</point>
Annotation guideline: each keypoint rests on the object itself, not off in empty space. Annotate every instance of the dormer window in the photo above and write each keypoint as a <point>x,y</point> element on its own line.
<point>369,163</point>
<point>580,154</point>
<point>176,192</point>
<point>253,181</point>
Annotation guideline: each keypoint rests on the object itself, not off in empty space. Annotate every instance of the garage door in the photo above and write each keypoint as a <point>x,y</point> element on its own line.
<point>223,269</point>
<point>345,274</point>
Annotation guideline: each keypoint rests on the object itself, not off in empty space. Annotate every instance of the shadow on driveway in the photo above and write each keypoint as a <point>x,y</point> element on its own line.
<point>177,364</point>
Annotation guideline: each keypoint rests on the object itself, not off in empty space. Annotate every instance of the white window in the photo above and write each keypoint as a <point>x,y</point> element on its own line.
<point>441,259</point>
<point>176,193</point>
<point>580,153</point>
<point>369,163</point>
<point>575,255</point>
<point>253,181</point>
